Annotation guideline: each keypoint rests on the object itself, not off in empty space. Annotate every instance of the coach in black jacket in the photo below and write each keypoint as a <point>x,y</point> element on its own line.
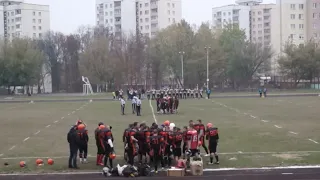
<point>73,147</point>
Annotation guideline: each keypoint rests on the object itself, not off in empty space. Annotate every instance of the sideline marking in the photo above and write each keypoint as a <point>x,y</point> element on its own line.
<point>253,116</point>
<point>205,170</point>
<point>277,126</point>
<point>12,148</point>
<point>48,126</point>
<point>154,116</point>
<point>26,139</point>
<point>264,121</point>
<point>62,117</point>
<point>293,132</point>
<point>286,173</point>
<point>55,121</point>
<point>73,112</point>
<point>69,114</point>
<point>313,141</point>
<point>228,153</point>
<point>37,133</point>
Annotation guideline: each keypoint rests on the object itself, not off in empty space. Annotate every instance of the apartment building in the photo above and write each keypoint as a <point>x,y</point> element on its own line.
<point>313,19</point>
<point>23,19</point>
<point>143,16</point>
<point>232,14</point>
<point>117,15</point>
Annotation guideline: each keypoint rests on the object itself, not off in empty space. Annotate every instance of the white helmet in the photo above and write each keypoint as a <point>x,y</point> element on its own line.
<point>172,125</point>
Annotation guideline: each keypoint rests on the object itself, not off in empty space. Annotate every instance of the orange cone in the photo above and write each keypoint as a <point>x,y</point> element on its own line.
<point>50,161</point>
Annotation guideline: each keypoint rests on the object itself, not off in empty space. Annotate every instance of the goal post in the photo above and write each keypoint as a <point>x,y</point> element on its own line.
<point>86,87</point>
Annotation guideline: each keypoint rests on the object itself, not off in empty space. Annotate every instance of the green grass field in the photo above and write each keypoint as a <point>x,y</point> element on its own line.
<point>254,132</point>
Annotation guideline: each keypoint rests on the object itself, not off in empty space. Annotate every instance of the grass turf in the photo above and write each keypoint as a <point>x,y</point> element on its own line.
<point>246,141</point>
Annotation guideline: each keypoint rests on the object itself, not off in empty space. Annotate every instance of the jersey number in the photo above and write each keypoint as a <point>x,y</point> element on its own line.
<point>195,138</point>
<point>213,133</point>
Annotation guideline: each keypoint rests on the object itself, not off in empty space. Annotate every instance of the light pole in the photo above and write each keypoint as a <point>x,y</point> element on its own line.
<point>207,51</point>
<point>182,69</point>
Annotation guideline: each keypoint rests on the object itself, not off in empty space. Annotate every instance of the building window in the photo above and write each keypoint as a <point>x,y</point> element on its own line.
<point>141,20</point>
<point>111,20</point>
<point>40,28</point>
<point>293,6</point>
<point>147,27</point>
<point>314,5</point>
<point>34,35</point>
<point>169,20</point>
<point>146,19</point>
<point>140,12</point>
<point>34,13</point>
<point>301,26</point>
<point>18,26</point>
<point>146,4</point>
<point>293,26</point>
<point>314,26</point>
<point>301,6</point>
<point>253,13</point>
<point>140,5</point>
<point>18,19</point>
<point>259,12</point>
<point>168,4</point>
<point>110,5</point>
<point>266,24</point>
<point>12,20</point>
<point>173,5</point>
<point>293,16</point>
<point>169,12</point>
<point>315,35</point>
<point>12,13</point>
<point>173,20</point>
<point>224,14</point>
<point>259,19</point>
<point>266,10</point>
<point>253,19</point>
<point>107,21</point>
<point>173,13</point>
<point>146,12</point>
<point>229,13</point>
<point>141,27</point>
<point>39,20</point>
<point>40,35</point>
<point>106,5</point>
<point>259,32</point>
<point>301,16</point>
<point>34,20</point>
<point>301,37</point>
<point>111,13</point>
<point>39,13</point>
<point>314,15</point>
<point>259,25</point>
<point>106,13</point>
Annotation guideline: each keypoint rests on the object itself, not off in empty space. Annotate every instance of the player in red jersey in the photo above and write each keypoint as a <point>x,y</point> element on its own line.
<point>193,141</point>
<point>201,133</point>
<point>213,136</point>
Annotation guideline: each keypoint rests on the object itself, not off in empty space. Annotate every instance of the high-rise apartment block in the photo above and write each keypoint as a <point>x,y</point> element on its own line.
<point>143,16</point>
<point>23,19</point>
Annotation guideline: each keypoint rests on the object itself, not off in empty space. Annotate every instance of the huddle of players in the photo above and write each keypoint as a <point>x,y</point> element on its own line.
<point>181,93</point>
<point>165,142</point>
<point>167,104</point>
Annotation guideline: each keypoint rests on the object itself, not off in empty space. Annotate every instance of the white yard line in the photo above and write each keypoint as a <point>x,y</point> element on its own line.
<point>48,126</point>
<point>291,132</point>
<point>72,112</point>
<point>12,148</point>
<point>313,141</point>
<point>286,173</point>
<point>152,110</point>
<point>56,122</point>
<point>26,139</point>
<point>264,121</point>
<point>62,117</point>
<point>37,133</point>
<point>279,127</point>
<point>253,116</point>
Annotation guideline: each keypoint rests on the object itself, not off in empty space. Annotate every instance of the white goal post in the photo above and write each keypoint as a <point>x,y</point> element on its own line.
<point>86,87</point>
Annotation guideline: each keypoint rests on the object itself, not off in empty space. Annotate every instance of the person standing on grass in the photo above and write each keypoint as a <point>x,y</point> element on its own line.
<point>138,107</point>
<point>208,93</point>
<point>106,139</point>
<point>201,133</point>
<point>265,92</point>
<point>82,140</point>
<point>213,136</point>
<point>134,104</point>
<point>100,152</point>
<point>123,105</point>
<point>71,137</point>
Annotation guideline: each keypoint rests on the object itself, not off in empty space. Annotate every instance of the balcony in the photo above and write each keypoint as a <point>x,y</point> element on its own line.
<point>117,14</point>
<point>154,12</point>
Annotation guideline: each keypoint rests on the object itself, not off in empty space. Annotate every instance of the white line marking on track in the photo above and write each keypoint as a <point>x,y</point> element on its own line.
<point>48,126</point>
<point>26,139</point>
<point>293,132</point>
<point>286,173</point>
<point>12,148</point>
<point>55,121</point>
<point>264,121</point>
<point>313,141</point>
<point>152,110</point>
<point>62,117</point>
<point>253,116</point>
<point>277,126</point>
<point>73,112</point>
<point>37,133</point>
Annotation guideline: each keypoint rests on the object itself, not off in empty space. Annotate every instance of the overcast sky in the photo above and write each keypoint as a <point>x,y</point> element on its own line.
<point>68,15</point>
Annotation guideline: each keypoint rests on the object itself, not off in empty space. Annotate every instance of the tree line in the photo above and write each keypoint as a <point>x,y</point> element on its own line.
<point>138,61</point>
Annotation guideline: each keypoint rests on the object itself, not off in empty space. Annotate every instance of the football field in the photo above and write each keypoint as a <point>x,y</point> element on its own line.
<point>254,132</point>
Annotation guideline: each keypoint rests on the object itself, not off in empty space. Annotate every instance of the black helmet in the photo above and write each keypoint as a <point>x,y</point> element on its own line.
<point>100,123</point>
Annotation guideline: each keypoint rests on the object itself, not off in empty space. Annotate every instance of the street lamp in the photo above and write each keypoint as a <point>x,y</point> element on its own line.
<point>207,51</point>
<point>181,58</point>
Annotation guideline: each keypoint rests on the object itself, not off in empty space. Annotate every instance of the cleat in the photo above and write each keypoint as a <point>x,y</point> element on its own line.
<point>210,163</point>
<point>207,155</point>
<point>217,162</point>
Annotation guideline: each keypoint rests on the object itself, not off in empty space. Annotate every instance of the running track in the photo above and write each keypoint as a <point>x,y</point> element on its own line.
<point>283,174</point>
